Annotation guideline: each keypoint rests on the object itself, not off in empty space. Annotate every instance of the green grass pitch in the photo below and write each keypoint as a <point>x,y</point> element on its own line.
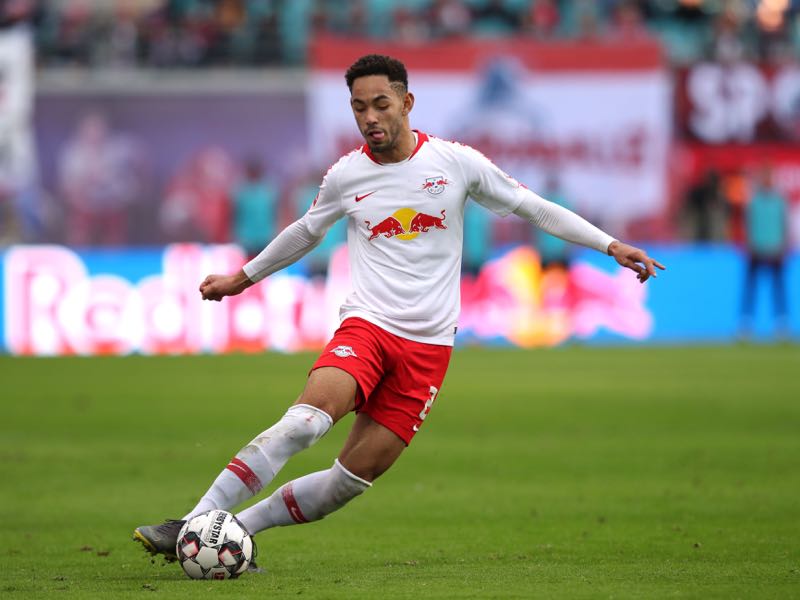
<point>568,473</point>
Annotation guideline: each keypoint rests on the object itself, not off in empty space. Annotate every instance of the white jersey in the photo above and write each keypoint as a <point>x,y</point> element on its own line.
<point>405,231</point>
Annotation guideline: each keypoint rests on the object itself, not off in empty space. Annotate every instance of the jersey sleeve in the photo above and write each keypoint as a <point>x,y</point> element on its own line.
<point>326,208</point>
<point>488,184</point>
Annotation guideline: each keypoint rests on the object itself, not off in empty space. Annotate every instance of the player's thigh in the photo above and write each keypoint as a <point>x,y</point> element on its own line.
<point>370,448</point>
<point>331,390</point>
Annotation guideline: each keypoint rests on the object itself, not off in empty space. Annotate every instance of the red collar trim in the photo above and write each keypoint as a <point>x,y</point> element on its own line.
<point>421,139</point>
<point>365,150</point>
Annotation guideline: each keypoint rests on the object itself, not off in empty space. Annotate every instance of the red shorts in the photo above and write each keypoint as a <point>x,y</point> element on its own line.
<point>398,379</point>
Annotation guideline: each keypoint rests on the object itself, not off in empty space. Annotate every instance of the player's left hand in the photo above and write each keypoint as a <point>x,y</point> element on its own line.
<point>635,259</point>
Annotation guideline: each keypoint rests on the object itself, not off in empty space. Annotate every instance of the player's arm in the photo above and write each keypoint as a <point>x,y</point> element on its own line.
<point>567,225</point>
<point>291,244</point>
<point>502,194</point>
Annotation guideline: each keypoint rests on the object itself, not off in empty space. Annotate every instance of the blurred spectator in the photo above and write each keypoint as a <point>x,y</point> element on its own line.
<point>543,19</point>
<point>74,34</point>
<point>691,11</point>
<point>16,11</point>
<point>255,205</point>
<point>122,37</point>
<point>165,45</point>
<point>357,18</point>
<point>408,28</point>
<point>728,43</point>
<point>197,206</point>
<point>736,193</point>
<point>767,245</point>
<point>224,23</point>
<point>774,32</point>
<point>9,227</point>
<point>627,22</point>
<point>554,252</point>
<point>706,208</point>
<point>449,18</point>
<point>267,43</point>
<point>495,17</point>
<point>319,18</point>
<point>588,24</point>
<point>101,176</point>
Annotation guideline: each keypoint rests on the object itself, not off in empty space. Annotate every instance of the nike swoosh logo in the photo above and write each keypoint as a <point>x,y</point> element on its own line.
<point>415,428</point>
<point>360,198</point>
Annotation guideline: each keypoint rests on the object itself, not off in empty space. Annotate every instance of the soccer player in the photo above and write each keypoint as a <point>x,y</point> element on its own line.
<point>403,193</point>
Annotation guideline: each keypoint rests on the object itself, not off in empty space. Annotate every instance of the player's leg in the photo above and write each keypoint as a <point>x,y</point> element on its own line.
<point>329,394</point>
<point>369,451</point>
<point>387,421</point>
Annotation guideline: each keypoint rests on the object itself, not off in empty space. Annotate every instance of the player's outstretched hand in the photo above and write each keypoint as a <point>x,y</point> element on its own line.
<point>216,287</point>
<point>635,259</point>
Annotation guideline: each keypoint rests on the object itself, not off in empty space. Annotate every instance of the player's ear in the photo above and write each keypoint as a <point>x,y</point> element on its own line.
<point>408,103</point>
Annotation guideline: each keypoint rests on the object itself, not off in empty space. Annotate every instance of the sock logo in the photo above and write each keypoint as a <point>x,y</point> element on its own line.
<point>344,351</point>
<point>291,504</point>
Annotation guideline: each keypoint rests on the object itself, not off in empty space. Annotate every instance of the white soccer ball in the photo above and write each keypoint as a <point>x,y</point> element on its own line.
<point>214,545</point>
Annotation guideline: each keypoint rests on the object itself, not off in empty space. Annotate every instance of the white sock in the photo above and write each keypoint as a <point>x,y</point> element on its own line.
<point>306,499</point>
<point>258,462</point>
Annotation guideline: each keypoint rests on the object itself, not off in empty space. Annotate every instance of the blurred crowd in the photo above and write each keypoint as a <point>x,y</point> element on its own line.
<point>201,33</point>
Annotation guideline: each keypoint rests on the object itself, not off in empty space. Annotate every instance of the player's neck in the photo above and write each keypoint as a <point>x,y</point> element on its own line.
<point>401,151</point>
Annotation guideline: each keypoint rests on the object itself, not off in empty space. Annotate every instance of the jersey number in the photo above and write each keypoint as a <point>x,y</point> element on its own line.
<point>427,408</point>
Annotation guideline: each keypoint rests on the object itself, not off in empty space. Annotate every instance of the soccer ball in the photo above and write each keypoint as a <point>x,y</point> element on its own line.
<point>214,545</point>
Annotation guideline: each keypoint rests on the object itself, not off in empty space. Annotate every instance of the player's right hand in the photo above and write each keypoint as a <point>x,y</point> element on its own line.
<point>216,287</point>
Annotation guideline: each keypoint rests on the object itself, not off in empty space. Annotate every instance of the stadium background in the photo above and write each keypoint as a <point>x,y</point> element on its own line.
<point>216,120</point>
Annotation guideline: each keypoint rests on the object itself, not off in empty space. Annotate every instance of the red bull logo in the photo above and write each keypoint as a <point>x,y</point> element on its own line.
<point>422,222</point>
<point>406,224</point>
<point>435,185</point>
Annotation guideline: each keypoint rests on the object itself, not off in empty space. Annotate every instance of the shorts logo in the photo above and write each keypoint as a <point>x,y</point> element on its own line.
<point>344,351</point>
<point>435,185</point>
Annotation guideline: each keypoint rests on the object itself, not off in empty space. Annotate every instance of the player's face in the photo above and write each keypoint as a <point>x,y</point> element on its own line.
<point>380,111</point>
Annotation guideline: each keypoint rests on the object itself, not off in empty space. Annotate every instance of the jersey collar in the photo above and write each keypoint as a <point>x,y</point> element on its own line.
<point>421,139</point>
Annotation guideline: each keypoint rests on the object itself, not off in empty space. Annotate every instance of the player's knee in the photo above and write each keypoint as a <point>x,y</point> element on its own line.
<point>299,428</point>
<point>330,390</point>
<point>329,406</point>
<point>362,469</point>
<point>307,423</point>
<point>345,485</point>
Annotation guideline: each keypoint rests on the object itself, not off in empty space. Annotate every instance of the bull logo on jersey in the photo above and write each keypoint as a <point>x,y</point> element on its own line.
<point>435,185</point>
<point>406,224</point>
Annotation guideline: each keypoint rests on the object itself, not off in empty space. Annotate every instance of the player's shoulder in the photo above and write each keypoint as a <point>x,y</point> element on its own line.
<point>345,162</point>
<point>452,148</point>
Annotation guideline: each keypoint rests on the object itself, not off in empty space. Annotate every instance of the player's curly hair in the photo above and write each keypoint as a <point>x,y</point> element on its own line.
<point>378,64</point>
